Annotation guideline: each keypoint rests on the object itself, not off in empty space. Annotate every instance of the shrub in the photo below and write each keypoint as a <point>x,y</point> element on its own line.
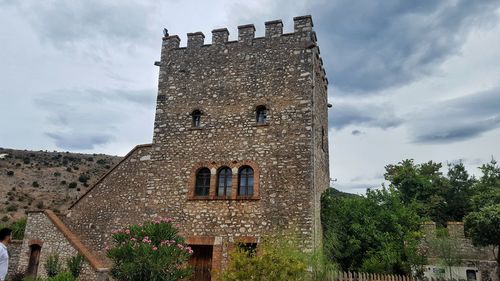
<point>52,265</point>
<point>101,162</point>
<point>72,185</point>
<point>278,259</point>
<point>153,251</point>
<point>40,205</point>
<point>10,173</point>
<point>11,208</point>
<point>26,160</point>
<point>62,276</point>
<point>5,218</point>
<point>57,174</point>
<point>83,178</point>
<point>35,184</point>
<point>90,159</point>
<point>63,182</point>
<point>68,169</point>
<point>75,264</point>
<point>18,228</point>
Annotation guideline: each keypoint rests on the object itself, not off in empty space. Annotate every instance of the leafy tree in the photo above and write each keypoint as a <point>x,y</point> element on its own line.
<point>487,190</point>
<point>153,251</point>
<point>458,196</point>
<point>375,233</point>
<point>483,227</point>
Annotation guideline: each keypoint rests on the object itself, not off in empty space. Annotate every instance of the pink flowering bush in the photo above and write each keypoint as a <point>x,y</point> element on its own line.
<point>153,251</point>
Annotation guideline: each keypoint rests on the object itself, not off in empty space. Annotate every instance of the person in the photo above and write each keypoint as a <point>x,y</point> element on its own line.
<point>5,237</point>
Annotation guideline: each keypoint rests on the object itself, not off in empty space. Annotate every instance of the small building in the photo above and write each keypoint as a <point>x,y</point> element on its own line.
<point>476,263</point>
<point>240,150</point>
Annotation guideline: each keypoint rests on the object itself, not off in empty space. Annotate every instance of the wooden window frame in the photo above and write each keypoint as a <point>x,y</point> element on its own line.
<point>214,168</point>
<point>225,185</point>
<point>196,182</point>
<point>240,172</point>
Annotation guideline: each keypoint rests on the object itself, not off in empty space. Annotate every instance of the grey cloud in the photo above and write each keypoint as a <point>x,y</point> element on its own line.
<point>457,119</point>
<point>356,132</point>
<point>76,22</point>
<point>363,114</point>
<point>82,119</point>
<point>80,140</point>
<point>375,45</point>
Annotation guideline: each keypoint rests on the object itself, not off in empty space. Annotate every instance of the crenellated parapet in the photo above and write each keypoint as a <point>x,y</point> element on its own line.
<point>303,37</point>
<point>246,33</point>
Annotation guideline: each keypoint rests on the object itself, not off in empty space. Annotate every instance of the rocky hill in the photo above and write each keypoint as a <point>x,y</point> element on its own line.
<point>34,180</point>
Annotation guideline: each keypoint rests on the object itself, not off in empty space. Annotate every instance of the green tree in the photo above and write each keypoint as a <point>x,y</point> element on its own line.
<point>422,185</point>
<point>486,191</point>
<point>483,227</point>
<point>153,251</point>
<point>459,193</point>
<point>375,233</point>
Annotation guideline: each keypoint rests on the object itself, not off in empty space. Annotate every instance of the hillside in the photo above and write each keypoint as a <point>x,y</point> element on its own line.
<point>34,180</point>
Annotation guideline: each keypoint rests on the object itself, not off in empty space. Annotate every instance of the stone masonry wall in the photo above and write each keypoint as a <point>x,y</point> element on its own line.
<point>320,142</point>
<point>40,228</point>
<point>14,249</point>
<point>119,199</point>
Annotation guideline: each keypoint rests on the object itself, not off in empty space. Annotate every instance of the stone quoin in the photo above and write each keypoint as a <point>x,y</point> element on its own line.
<point>239,151</point>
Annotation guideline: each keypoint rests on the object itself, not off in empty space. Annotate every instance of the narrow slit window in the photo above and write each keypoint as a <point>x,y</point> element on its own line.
<point>261,114</point>
<point>196,116</point>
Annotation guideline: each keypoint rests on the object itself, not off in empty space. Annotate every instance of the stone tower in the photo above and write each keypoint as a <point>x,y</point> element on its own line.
<point>255,102</point>
<point>240,151</point>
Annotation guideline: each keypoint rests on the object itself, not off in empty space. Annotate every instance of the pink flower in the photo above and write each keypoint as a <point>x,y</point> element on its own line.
<point>154,248</point>
<point>127,231</point>
<point>133,239</point>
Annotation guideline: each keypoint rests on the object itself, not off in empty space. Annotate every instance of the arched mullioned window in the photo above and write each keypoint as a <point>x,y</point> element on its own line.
<point>202,187</point>
<point>224,181</point>
<point>261,114</point>
<point>245,181</point>
<point>196,116</point>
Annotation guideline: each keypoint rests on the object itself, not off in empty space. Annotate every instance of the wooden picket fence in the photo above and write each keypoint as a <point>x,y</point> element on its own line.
<point>360,276</point>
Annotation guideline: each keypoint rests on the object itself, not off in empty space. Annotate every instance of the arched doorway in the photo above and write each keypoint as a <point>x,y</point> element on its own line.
<point>34,260</point>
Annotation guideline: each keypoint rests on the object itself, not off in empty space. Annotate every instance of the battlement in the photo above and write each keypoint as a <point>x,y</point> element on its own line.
<point>246,34</point>
<point>303,37</point>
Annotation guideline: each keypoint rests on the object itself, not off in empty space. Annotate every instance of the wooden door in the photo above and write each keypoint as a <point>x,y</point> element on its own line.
<point>34,261</point>
<point>201,261</point>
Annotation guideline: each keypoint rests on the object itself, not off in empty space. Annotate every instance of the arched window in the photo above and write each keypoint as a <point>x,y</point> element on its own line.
<point>202,182</point>
<point>196,115</point>
<point>261,114</point>
<point>224,182</point>
<point>245,181</point>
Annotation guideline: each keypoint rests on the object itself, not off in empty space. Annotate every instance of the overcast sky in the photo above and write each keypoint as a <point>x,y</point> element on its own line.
<point>408,79</point>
